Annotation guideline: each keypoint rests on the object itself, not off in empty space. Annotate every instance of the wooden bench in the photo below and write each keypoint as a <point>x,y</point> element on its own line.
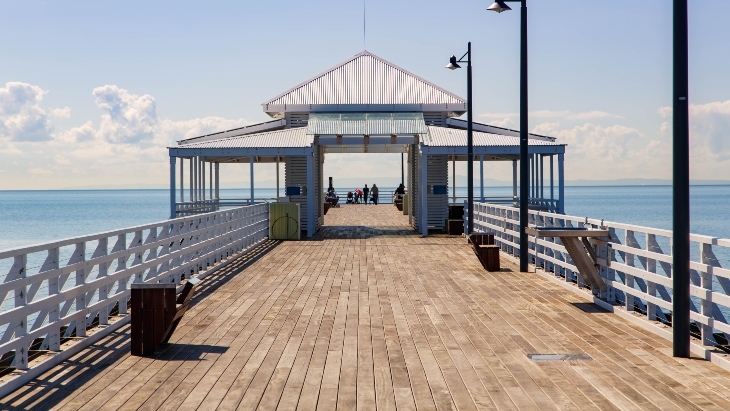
<point>486,250</point>
<point>156,312</point>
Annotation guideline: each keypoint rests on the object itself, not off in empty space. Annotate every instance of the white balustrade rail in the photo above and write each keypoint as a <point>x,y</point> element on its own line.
<point>635,262</point>
<point>46,302</point>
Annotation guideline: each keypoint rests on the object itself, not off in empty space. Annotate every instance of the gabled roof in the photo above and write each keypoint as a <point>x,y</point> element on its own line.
<point>365,82</point>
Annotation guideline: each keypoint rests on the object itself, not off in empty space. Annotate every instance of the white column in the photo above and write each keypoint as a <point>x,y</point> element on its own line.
<point>217,181</point>
<point>310,195</point>
<point>514,180</point>
<point>172,187</point>
<point>541,178</point>
<point>195,178</point>
<point>424,195</point>
<point>202,177</point>
<point>552,184</point>
<point>192,173</point>
<point>481,176</point>
<point>453,179</point>
<point>277,178</point>
<point>561,184</point>
<point>252,197</point>
<point>210,173</point>
<point>182,181</point>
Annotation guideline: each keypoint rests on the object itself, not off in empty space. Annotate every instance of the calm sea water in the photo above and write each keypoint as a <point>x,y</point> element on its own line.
<point>31,217</point>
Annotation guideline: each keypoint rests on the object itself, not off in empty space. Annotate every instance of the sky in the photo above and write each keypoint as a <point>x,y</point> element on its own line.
<point>92,92</point>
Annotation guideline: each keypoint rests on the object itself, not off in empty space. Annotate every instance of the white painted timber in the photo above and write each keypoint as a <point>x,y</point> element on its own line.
<point>46,308</point>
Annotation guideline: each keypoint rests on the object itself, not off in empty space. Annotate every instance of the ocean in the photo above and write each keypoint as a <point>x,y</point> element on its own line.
<point>32,217</point>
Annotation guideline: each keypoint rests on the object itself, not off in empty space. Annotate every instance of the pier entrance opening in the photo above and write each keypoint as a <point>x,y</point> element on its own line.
<point>350,213</point>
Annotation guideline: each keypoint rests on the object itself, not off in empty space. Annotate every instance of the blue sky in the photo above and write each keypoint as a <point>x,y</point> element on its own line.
<point>92,92</point>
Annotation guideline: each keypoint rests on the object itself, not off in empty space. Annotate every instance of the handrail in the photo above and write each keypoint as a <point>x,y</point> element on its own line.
<point>39,308</point>
<point>636,268</point>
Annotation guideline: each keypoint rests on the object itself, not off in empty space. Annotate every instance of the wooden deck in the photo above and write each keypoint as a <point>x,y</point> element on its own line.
<point>369,315</point>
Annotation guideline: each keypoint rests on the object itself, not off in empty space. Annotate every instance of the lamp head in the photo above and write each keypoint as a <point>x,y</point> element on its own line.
<point>453,65</point>
<point>499,6</point>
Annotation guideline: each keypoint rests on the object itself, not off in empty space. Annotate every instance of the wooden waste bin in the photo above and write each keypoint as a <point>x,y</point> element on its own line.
<point>486,250</point>
<point>156,312</point>
<point>153,308</point>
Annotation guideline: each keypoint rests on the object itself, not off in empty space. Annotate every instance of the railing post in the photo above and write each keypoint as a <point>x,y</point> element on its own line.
<point>651,308</point>
<point>79,256</point>
<point>705,252</point>
<point>52,263</point>
<point>102,250</point>
<point>629,260</point>
<point>18,271</point>
<point>121,245</point>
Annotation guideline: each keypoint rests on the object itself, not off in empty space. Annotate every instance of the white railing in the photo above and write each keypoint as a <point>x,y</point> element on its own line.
<point>46,303</point>
<point>635,262</point>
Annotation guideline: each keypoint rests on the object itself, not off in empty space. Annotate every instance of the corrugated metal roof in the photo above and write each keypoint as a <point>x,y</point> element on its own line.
<point>454,137</point>
<point>291,137</point>
<point>371,124</point>
<point>366,79</point>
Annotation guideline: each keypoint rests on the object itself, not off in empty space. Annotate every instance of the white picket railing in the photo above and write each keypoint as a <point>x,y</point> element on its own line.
<point>46,302</point>
<point>635,262</point>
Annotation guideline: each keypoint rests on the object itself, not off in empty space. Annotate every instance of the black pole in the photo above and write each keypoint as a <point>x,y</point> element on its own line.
<point>469,146</point>
<point>524,161</point>
<point>681,244</point>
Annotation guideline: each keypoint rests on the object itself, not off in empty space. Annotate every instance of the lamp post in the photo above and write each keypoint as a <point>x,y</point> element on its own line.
<point>500,6</point>
<point>453,65</point>
<point>680,198</point>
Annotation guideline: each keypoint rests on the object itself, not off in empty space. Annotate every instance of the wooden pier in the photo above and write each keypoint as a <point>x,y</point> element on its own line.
<point>370,315</point>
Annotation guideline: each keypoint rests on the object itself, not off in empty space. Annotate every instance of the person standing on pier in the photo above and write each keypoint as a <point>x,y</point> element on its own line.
<point>365,192</point>
<point>374,192</point>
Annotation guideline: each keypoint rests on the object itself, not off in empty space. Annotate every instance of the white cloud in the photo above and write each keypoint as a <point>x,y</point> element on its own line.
<point>552,114</point>
<point>127,118</point>
<point>709,136</point>
<point>608,152</point>
<point>22,118</point>
<point>61,112</point>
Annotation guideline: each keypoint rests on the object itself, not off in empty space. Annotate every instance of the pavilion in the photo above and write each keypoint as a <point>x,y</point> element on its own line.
<point>363,105</point>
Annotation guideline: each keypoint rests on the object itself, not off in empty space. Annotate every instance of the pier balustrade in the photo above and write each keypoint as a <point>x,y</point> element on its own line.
<point>56,309</point>
<point>635,262</point>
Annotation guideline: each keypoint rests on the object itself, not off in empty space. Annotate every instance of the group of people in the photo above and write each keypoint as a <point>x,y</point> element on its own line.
<point>363,195</point>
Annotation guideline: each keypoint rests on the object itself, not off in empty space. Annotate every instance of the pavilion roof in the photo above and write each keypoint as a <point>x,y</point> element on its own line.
<point>365,82</point>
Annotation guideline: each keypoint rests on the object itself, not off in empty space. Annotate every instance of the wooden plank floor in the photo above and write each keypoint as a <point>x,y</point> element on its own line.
<point>369,315</point>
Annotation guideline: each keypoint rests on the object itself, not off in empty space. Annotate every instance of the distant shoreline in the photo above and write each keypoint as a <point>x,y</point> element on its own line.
<point>568,184</point>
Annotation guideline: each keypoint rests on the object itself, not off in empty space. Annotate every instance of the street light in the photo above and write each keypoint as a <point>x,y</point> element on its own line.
<point>680,197</point>
<point>500,6</point>
<point>453,65</point>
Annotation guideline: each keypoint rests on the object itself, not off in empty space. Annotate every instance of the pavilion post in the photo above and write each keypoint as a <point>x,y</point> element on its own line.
<point>277,178</point>
<point>311,207</point>
<point>481,176</point>
<point>172,186</point>
<point>252,187</point>
<point>195,178</point>
<point>423,182</point>
<point>182,181</point>
<point>453,179</point>
<point>552,184</point>
<point>210,172</point>
<point>202,178</point>
<point>561,184</point>
<point>514,180</point>
<point>217,181</point>
<point>192,173</point>
<point>541,178</point>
